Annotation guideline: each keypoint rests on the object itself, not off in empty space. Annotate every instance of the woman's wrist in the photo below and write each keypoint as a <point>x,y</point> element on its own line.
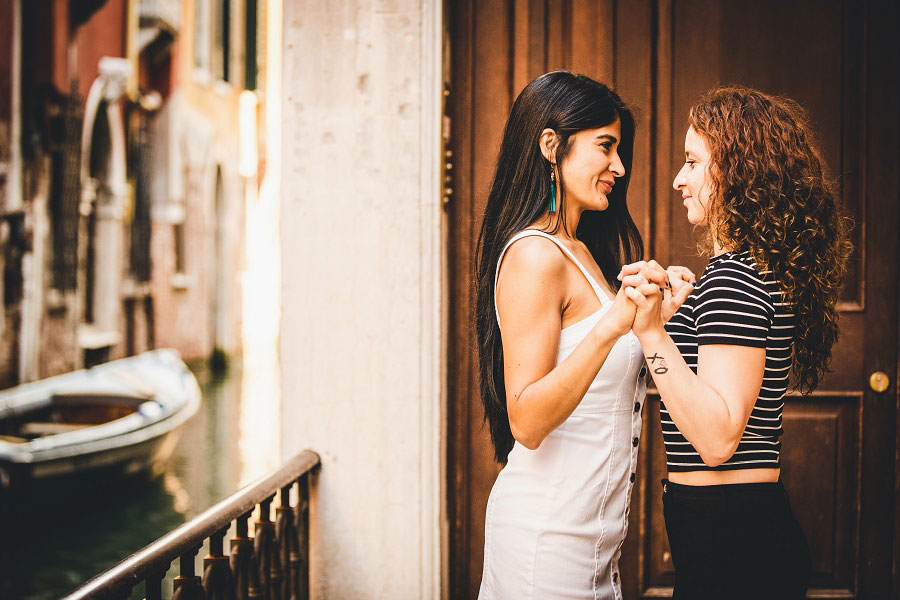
<point>652,336</point>
<point>602,335</point>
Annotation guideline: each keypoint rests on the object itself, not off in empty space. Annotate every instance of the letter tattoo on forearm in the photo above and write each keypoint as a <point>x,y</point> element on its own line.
<point>659,369</point>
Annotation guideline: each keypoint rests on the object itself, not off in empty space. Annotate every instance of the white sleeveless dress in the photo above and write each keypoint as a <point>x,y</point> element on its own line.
<point>557,516</point>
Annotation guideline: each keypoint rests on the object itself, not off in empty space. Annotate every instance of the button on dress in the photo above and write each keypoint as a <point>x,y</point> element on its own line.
<point>557,515</point>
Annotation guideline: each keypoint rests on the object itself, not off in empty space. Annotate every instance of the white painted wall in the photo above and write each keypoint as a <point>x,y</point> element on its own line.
<point>361,339</point>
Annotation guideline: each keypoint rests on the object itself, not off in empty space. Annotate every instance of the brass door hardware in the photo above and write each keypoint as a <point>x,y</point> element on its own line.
<point>879,381</point>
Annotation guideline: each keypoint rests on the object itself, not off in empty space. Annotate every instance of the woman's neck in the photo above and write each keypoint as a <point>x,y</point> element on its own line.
<point>718,248</point>
<point>554,222</point>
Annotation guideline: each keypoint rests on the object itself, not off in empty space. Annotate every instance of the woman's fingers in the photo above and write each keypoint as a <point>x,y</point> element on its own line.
<point>680,295</point>
<point>679,284</point>
<point>635,296</point>
<point>652,271</point>
<point>682,282</point>
<point>649,289</point>
<point>634,280</point>
<point>681,274</point>
<point>642,286</point>
<point>632,269</point>
<point>656,275</point>
<point>646,290</point>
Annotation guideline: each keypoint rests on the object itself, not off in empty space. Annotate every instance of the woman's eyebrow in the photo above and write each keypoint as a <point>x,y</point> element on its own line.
<point>607,136</point>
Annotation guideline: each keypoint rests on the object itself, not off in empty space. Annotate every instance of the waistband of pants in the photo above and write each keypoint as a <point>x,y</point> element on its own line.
<point>724,492</point>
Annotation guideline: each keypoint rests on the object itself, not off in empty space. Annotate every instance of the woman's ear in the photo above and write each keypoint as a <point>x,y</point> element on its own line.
<point>548,142</point>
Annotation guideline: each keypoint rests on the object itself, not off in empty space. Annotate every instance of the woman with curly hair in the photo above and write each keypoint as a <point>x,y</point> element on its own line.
<point>764,307</point>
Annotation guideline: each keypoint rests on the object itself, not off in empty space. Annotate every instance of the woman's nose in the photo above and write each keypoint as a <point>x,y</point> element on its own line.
<point>616,167</point>
<point>679,181</point>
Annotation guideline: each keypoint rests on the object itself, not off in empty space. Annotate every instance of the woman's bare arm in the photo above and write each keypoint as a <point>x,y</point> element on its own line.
<point>532,292</point>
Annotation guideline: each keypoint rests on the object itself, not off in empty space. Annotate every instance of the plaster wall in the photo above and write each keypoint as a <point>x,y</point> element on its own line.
<point>361,339</point>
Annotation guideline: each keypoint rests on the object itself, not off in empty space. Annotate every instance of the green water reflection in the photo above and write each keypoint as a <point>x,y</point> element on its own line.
<point>55,544</point>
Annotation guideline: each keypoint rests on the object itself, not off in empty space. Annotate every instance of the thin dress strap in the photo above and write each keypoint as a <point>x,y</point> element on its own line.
<point>530,232</point>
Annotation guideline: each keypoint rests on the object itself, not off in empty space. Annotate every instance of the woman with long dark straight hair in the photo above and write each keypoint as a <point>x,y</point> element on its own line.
<point>561,378</point>
<point>765,306</point>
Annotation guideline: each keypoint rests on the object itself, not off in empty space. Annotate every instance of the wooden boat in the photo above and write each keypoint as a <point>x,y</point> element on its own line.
<point>123,415</point>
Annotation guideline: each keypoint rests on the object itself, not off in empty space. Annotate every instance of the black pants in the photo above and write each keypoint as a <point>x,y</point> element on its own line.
<point>735,541</point>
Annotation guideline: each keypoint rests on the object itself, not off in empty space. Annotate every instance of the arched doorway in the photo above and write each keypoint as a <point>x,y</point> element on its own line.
<point>104,191</point>
<point>98,175</point>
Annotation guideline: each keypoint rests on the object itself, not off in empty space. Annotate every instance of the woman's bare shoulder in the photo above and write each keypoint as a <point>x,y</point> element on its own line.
<point>532,286</point>
<point>534,255</point>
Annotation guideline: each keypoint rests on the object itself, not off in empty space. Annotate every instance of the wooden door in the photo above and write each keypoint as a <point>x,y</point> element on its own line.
<point>839,59</point>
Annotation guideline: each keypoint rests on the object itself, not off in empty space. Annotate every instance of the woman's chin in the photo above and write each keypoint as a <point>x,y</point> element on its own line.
<point>596,202</point>
<point>601,203</point>
<point>695,219</point>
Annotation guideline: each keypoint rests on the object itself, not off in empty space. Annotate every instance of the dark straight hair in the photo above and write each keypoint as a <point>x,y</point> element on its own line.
<point>519,195</point>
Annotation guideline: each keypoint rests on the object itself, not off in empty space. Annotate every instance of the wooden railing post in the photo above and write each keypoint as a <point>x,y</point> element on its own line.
<point>286,537</point>
<point>188,585</point>
<point>302,526</point>
<point>218,580</point>
<point>241,560</point>
<point>153,585</point>
<point>263,549</point>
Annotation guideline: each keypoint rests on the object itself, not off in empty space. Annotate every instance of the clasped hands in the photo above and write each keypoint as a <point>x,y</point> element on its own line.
<point>650,295</point>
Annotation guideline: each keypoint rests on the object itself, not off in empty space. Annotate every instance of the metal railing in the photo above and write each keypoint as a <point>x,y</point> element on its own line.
<point>272,564</point>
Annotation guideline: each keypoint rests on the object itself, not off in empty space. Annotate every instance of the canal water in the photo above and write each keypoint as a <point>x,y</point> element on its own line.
<point>55,544</point>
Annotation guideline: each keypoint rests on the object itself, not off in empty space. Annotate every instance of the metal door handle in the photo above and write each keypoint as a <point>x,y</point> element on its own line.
<point>879,381</point>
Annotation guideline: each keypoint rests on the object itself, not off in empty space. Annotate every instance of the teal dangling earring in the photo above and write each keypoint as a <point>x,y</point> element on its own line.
<point>552,191</point>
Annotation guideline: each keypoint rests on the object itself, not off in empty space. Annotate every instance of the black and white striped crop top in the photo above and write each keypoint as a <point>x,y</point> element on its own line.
<point>737,305</point>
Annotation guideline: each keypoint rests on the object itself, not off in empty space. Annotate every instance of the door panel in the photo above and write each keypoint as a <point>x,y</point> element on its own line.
<point>824,432</point>
<point>839,59</point>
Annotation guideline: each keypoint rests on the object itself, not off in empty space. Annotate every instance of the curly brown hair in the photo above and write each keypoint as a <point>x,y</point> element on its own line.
<point>771,194</point>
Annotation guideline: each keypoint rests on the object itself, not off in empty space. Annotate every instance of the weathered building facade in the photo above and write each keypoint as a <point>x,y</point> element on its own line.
<point>121,200</point>
<point>198,223</point>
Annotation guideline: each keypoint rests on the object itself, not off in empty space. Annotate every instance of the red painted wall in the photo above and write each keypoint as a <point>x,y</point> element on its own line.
<point>103,35</point>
